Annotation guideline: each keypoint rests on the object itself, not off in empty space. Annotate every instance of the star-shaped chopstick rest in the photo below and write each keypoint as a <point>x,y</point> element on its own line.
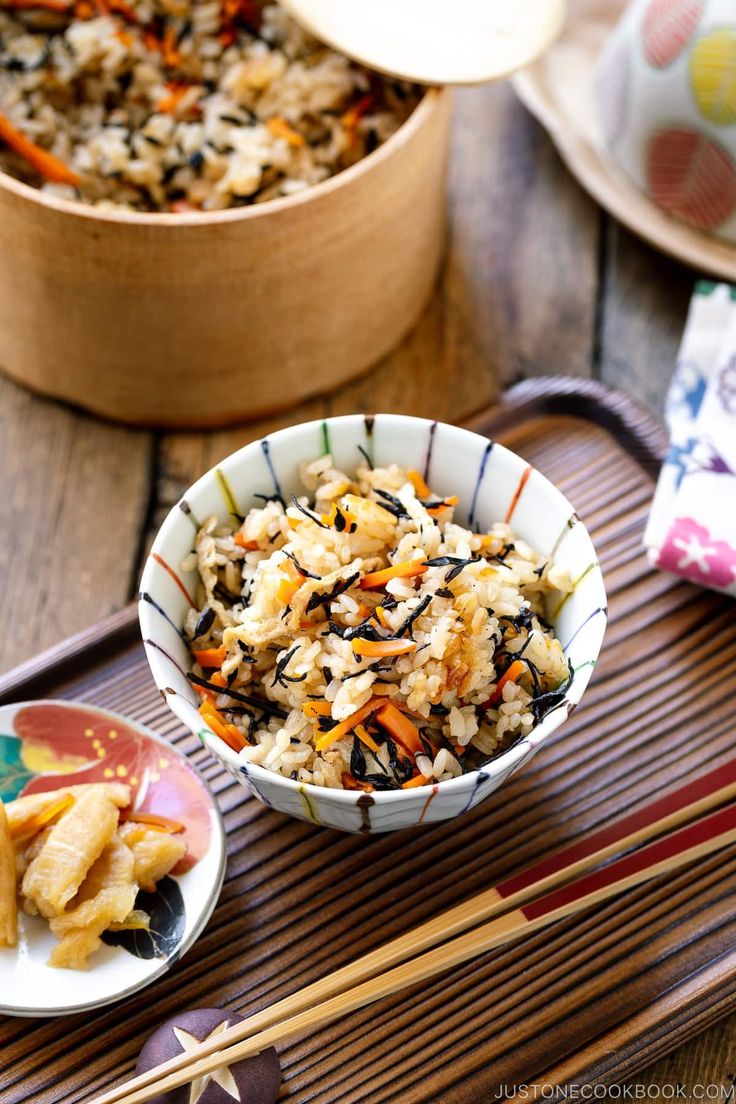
<point>253,1081</point>
<point>435,41</point>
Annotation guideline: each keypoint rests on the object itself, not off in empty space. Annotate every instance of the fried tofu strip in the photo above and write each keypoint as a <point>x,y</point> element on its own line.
<point>106,897</point>
<point>72,846</point>
<point>155,853</point>
<point>24,810</point>
<point>8,903</point>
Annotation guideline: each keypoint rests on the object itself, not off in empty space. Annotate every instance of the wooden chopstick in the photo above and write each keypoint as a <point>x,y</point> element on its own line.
<point>665,813</point>
<point>665,855</point>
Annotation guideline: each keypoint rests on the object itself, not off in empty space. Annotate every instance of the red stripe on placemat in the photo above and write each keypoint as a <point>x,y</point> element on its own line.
<point>624,826</point>
<point>708,828</point>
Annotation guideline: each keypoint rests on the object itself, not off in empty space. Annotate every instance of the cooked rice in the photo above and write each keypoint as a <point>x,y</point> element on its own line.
<point>285,647</point>
<point>172,105</point>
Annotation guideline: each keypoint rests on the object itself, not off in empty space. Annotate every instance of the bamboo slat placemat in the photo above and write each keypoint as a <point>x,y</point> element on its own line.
<point>596,997</point>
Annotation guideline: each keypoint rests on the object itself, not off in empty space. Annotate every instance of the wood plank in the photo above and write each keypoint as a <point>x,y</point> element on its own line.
<point>73,501</point>
<point>590,1000</point>
<point>644,303</point>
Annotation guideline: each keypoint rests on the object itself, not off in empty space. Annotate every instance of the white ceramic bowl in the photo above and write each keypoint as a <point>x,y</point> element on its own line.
<point>488,478</point>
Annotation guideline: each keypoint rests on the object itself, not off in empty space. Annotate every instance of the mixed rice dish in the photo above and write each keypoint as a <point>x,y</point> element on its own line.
<point>362,639</point>
<point>180,105</point>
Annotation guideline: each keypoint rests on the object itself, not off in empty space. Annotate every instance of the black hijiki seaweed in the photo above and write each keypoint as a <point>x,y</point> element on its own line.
<point>258,703</point>
<point>359,770</point>
<point>366,457</point>
<point>552,699</point>
<point>391,503</point>
<point>316,600</point>
<point>371,667</point>
<point>365,630</point>
<point>246,657</point>
<point>402,768</point>
<point>281,666</point>
<point>340,522</point>
<point>272,497</point>
<point>308,513</point>
<point>204,622</point>
<point>521,620</point>
<point>407,624</point>
<point>455,571</point>
<point>302,570</point>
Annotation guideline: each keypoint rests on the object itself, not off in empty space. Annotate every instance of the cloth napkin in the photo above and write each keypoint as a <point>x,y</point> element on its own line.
<point>692,525</point>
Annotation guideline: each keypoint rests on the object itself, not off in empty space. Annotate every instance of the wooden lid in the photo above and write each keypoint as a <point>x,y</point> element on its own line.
<point>435,41</point>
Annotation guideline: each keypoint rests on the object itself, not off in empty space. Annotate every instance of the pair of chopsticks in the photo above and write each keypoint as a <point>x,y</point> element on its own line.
<point>562,884</point>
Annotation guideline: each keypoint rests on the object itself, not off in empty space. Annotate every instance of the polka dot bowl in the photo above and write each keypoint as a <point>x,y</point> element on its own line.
<point>666,96</point>
<point>492,483</point>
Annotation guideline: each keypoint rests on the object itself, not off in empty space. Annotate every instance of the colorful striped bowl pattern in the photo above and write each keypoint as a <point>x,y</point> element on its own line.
<point>666,95</point>
<point>492,484</point>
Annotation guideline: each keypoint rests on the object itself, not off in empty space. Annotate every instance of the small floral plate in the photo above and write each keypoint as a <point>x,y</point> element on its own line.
<point>48,744</point>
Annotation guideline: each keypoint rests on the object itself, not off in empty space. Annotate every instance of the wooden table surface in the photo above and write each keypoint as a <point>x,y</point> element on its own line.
<point>537,280</point>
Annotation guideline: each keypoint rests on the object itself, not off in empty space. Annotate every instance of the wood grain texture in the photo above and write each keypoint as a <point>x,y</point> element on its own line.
<point>643,308</point>
<point>74,497</point>
<point>594,997</point>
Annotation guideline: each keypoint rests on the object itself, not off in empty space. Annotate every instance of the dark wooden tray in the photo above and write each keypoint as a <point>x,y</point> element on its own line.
<point>594,998</point>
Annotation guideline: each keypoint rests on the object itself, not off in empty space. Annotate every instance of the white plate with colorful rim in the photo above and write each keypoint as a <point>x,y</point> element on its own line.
<point>48,744</point>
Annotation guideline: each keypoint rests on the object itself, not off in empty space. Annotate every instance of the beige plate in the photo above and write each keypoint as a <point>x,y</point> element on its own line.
<point>435,41</point>
<point>558,90</point>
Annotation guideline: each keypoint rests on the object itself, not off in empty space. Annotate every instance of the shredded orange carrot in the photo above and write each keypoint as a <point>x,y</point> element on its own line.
<point>211,657</point>
<point>418,484</point>
<point>281,129</point>
<point>124,36</point>
<point>350,782</point>
<point>380,648</point>
<point>241,542</point>
<point>123,9</point>
<point>40,820</point>
<point>458,749</point>
<point>182,206</point>
<point>314,709</point>
<point>83,9</point>
<point>46,5</point>
<point>404,731</point>
<point>288,587</point>
<point>329,518</point>
<point>451,501</point>
<point>381,615</point>
<point>326,738</point>
<point>44,162</point>
<point>511,675</point>
<point>374,580</point>
<point>231,735</point>
<point>351,117</point>
<point>169,51</point>
<point>286,591</point>
<point>167,105</point>
<point>217,679</point>
<point>365,737</point>
<point>417,780</point>
<point>158,823</point>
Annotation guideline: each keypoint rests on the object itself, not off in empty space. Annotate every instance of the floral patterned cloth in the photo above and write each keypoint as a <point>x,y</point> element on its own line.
<point>692,524</point>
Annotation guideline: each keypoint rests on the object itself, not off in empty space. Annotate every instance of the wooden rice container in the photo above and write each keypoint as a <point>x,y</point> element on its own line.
<point>208,318</point>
